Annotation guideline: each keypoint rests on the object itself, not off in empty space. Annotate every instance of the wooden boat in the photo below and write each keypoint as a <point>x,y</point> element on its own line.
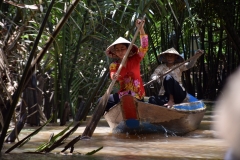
<point>133,116</point>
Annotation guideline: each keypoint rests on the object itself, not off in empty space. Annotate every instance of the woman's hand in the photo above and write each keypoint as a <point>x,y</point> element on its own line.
<point>155,77</point>
<point>115,76</point>
<point>199,52</point>
<point>138,22</point>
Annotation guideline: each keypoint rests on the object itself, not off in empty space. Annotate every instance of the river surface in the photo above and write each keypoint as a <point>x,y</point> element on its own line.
<point>199,144</point>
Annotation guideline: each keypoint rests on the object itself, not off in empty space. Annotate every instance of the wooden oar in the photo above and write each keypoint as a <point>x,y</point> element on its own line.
<point>170,70</point>
<point>91,125</point>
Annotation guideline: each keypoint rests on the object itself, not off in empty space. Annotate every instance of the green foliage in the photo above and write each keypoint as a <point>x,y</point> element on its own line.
<point>53,139</point>
<point>26,139</point>
<point>94,151</point>
<point>76,60</point>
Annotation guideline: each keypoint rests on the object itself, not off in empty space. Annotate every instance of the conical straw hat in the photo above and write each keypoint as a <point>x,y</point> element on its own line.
<point>179,58</point>
<point>110,50</point>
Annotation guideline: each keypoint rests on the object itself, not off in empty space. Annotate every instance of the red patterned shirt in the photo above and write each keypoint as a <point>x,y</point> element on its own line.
<point>130,80</point>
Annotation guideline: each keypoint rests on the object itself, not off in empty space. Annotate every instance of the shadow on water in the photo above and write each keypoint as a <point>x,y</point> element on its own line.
<point>160,144</point>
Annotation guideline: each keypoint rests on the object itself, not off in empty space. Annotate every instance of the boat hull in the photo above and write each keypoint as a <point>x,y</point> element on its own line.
<point>180,119</point>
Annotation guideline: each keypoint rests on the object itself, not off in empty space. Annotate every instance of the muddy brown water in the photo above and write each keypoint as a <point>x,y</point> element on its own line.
<point>202,143</point>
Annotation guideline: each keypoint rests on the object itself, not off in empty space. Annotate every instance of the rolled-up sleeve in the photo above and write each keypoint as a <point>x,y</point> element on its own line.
<point>157,72</point>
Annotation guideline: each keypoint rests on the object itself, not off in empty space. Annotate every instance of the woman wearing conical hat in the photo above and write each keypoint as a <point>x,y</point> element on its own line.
<point>171,91</point>
<point>129,79</point>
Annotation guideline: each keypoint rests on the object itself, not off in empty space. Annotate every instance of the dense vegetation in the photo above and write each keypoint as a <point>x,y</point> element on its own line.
<point>52,53</point>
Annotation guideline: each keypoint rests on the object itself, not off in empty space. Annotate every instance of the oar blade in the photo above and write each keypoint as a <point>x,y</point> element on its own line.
<point>98,112</point>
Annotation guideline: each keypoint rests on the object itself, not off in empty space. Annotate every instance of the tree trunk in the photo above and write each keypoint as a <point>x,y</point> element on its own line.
<point>65,115</point>
<point>30,98</point>
<point>13,135</point>
<point>80,108</point>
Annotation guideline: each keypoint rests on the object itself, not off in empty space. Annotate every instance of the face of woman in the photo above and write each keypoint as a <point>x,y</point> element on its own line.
<point>170,58</point>
<point>120,50</point>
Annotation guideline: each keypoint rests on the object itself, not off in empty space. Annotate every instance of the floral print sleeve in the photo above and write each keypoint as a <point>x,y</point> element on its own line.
<point>144,45</point>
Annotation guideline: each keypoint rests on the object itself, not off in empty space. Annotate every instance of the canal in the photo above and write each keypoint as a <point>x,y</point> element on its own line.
<point>199,144</point>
